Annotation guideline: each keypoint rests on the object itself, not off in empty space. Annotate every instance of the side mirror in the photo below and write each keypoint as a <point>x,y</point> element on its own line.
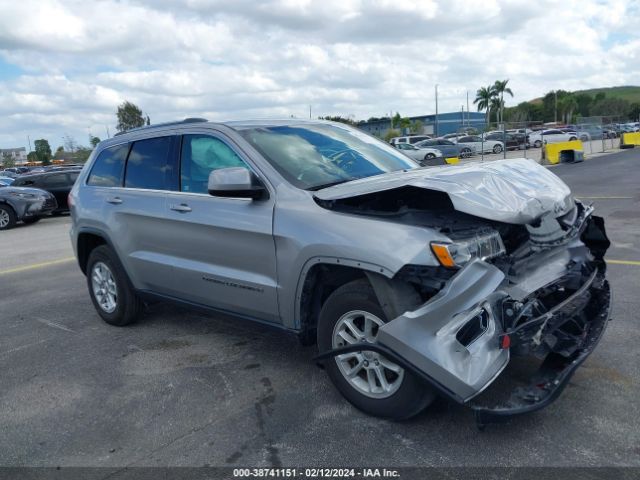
<point>235,182</point>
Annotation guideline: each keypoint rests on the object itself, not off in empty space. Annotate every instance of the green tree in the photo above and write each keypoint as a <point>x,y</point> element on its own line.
<point>608,106</point>
<point>81,154</point>
<point>43,151</point>
<point>634,111</point>
<point>416,126</point>
<point>338,118</point>
<point>94,141</point>
<point>391,133</point>
<point>32,157</point>
<point>7,160</point>
<point>500,88</point>
<point>129,116</point>
<point>484,95</point>
<point>584,101</point>
<point>567,104</point>
<point>395,120</point>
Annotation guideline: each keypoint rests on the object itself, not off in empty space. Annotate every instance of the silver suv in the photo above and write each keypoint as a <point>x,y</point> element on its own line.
<point>412,281</point>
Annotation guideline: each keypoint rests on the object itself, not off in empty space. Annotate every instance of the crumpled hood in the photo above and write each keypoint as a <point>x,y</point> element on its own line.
<point>511,191</point>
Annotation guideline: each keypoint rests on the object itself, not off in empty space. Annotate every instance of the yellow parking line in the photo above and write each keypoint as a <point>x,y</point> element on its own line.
<point>624,262</point>
<point>33,266</point>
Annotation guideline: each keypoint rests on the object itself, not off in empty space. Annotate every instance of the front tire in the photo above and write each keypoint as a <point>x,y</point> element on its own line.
<point>497,148</point>
<point>537,144</point>
<point>368,380</point>
<point>7,217</point>
<point>111,291</point>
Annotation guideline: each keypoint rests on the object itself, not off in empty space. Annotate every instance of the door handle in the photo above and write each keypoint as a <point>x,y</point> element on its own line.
<point>182,208</point>
<point>114,200</point>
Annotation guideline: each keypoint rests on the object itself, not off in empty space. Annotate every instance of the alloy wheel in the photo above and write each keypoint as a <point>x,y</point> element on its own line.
<point>104,287</point>
<point>369,373</point>
<point>4,218</point>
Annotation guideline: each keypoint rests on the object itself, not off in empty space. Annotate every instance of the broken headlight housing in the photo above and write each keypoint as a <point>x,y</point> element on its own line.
<point>483,246</point>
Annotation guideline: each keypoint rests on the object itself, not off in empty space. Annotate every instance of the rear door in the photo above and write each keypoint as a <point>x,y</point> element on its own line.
<point>223,248</point>
<point>59,185</point>
<point>134,210</point>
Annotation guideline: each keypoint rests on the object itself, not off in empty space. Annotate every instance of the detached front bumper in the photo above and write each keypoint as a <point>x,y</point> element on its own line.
<point>461,339</point>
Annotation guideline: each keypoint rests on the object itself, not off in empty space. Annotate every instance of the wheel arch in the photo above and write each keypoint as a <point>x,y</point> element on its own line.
<point>322,276</point>
<point>88,239</point>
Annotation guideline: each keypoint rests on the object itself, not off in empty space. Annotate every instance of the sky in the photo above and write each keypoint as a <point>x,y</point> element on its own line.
<point>66,65</point>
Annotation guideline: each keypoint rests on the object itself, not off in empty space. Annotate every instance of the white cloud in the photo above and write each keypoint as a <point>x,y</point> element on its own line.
<point>66,65</point>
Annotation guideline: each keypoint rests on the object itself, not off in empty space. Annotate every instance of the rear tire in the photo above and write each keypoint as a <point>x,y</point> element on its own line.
<point>537,144</point>
<point>7,217</point>
<point>497,148</point>
<point>110,289</point>
<point>465,152</point>
<point>406,394</point>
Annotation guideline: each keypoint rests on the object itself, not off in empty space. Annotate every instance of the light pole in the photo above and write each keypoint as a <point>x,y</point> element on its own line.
<point>437,110</point>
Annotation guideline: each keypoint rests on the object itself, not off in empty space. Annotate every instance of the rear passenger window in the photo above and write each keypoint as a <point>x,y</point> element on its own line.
<point>58,180</point>
<point>148,165</point>
<point>200,155</point>
<point>107,169</point>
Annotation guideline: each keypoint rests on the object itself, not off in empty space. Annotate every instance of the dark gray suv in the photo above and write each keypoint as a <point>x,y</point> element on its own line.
<point>413,281</point>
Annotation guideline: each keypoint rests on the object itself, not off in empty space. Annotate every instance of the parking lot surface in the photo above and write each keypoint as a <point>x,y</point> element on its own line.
<point>183,388</point>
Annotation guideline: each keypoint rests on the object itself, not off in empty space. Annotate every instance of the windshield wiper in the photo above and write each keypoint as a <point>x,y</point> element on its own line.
<point>330,184</point>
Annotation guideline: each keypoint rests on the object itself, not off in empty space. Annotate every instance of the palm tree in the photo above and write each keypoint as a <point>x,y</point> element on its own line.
<point>500,88</point>
<point>483,98</point>
<point>496,106</point>
<point>567,105</point>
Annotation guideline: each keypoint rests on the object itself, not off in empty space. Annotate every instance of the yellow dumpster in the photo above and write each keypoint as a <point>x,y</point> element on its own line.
<point>630,138</point>
<point>552,150</point>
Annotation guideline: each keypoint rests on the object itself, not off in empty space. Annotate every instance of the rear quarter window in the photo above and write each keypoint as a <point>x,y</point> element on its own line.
<point>108,167</point>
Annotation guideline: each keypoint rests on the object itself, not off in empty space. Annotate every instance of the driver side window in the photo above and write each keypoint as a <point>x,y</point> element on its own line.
<point>201,154</point>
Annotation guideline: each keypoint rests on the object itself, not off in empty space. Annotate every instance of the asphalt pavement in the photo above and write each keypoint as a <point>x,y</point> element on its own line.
<point>183,388</point>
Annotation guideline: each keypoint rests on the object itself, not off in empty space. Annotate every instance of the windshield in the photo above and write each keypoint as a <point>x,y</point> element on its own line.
<point>319,155</point>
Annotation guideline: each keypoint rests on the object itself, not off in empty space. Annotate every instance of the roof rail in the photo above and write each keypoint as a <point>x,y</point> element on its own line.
<point>166,124</point>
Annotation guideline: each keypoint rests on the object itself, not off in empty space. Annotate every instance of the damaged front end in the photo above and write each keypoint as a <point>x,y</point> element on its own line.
<point>545,297</point>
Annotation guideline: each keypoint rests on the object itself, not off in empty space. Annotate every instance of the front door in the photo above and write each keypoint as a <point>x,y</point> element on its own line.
<point>223,248</point>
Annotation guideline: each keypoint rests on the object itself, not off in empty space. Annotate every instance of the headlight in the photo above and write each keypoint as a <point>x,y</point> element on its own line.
<point>23,195</point>
<point>456,254</point>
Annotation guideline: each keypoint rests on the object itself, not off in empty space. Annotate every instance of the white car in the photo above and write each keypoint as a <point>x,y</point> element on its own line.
<point>395,141</point>
<point>479,145</point>
<point>537,139</point>
<point>419,154</point>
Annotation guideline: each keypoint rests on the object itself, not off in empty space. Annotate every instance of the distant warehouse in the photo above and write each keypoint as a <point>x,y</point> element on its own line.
<point>447,123</point>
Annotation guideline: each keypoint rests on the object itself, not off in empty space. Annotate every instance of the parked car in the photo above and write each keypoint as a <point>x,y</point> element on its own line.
<point>9,174</point>
<point>583,135</point>
<point>6,180</point>
<point>479,145</point>
<point>412,139</point>
<point>23,204</point>
<point>412,281</point>
<point>58,183</point>
<point>447,147</point>
<point>425,156</point>
<point>513,141</point>
<point>17,170</point>
<point>550,136</point>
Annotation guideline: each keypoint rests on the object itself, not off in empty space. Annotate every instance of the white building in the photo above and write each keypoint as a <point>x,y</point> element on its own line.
<point>19,155</point>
